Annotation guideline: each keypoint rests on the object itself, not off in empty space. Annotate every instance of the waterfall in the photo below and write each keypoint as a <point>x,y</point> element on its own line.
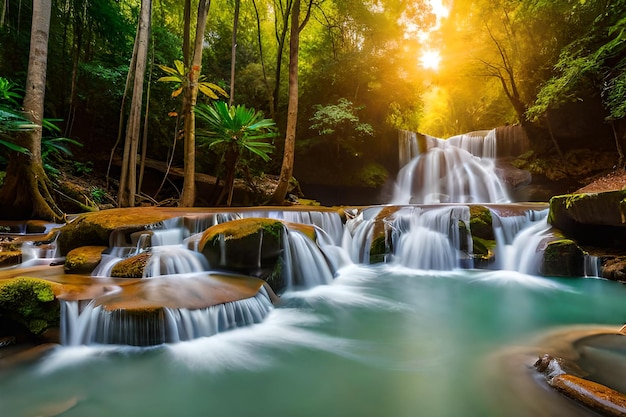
<point>433,238</point>
<point>304,264</point>
<point>419,237</point>
<point>328,221</point>
<point>460,169</point>
<point>93,323</point>
<point>167,260</point>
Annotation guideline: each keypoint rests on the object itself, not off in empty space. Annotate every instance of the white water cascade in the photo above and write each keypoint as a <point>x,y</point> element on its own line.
<point>458,170</point>
<point>91,323</point>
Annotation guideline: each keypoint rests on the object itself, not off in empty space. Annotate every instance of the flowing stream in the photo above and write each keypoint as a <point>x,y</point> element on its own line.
<point>422,333</point>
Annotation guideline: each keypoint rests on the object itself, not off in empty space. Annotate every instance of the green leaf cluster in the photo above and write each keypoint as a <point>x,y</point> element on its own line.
<point>179,75</point>
<point>235,127</point>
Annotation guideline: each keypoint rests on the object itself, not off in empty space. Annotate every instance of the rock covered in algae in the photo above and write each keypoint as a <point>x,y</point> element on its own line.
<point>594,218</point>
<point>84,259</point>
<point>381,247</point>
<point>563,258</point>
<point>243,245</point>
<point>483,239</point>
<point>95,229</point>
<point>252,246</point>
<point>131,267</point>
<point>30,302</point>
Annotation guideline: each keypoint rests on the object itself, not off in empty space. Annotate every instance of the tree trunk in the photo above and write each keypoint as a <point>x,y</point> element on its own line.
<point>230,164</point>
<point>25,193</point>
<point>266,82</point>
<point>188,196</point>
<point>281,45</point>
<point>286,170</point>
<point>233,53</point>
<point>128,178</point>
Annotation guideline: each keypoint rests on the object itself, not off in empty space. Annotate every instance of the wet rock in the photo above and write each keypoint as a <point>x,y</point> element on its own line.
<point>614,268</point>
<point>243,245</point>
<point>563,258</point>
<point>381,246</point>
<point>131,267</point>
<point>95,229</point>
<point>591,219</point>
<point>83,260</point>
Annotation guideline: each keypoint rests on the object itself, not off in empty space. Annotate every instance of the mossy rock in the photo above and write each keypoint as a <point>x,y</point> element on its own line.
<point>563,258</point>
<point>481,222</point>
<point>244,245</point>
<point>83,260</point>
<point>483,251</point>
<point>30,302</point>
<point>381,247</point>
<point>131,267</point>
<point>94,229</point>
<point>10,258</point>
<point>597,219</point>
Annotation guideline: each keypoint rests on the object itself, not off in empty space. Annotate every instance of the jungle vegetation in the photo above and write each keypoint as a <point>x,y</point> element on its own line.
<point>122,78</point>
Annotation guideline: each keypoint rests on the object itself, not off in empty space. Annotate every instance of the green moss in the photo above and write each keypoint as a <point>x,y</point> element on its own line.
<point>563,257</point>
<point>30,302</point>
<point>132,267</point>
<point>378,249</point>
<point>481,222</point>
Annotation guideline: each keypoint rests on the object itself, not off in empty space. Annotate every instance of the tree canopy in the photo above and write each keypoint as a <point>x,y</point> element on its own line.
<point>435,66</point>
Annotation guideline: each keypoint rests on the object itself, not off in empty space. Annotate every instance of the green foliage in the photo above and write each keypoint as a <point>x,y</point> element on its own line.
<point>592,63</point>
<point>340,124</point>
<point>11,118</point>
<point>82,168</point>
<point>98,194</point>
<point>371,175</point>
<point>54,149</point>
<point>180,76</point>
<point>236,127</point>
<point>30,302</point>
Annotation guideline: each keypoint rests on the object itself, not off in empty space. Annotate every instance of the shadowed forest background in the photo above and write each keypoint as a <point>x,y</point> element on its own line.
<point>552,70</point>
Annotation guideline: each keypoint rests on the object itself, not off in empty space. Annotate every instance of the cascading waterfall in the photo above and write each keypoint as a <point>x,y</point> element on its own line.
<point>304,263</point>
<point>94,324</point>
<point>417,232</point>
<point>328,221</point>
<point>458,170</point>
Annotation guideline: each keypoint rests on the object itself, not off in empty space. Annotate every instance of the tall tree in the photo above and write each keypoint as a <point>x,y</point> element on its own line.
<point>188,196</point>
<point>26,190</point>
<point>128,177</point>
<point>286,170</point>
<point>233,53</point>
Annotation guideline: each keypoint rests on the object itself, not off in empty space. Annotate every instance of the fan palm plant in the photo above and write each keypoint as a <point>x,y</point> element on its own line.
<point>11,118</point>
<point>234,131</point>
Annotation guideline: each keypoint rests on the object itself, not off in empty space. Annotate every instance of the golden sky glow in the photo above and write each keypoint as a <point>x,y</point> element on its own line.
<point>430,57</point>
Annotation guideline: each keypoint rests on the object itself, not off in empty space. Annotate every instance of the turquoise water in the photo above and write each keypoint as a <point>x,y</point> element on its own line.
<point>378,341</point>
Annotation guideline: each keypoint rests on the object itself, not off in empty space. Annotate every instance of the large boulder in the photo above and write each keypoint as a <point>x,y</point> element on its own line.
<point>95,229</point>
<point>563,258</point>
<point>250,246</point>
<point>597,219</point>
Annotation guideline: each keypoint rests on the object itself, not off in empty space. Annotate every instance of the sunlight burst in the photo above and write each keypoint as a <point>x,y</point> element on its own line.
<point>430,59</point>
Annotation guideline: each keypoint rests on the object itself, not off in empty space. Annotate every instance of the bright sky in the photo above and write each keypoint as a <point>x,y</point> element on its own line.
<point>430,57</point>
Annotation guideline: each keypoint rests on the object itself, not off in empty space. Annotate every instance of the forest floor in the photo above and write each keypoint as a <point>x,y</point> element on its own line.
<point>609,181</point>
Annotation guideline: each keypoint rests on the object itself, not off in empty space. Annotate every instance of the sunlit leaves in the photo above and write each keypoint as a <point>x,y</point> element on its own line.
<point>181,77</point>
